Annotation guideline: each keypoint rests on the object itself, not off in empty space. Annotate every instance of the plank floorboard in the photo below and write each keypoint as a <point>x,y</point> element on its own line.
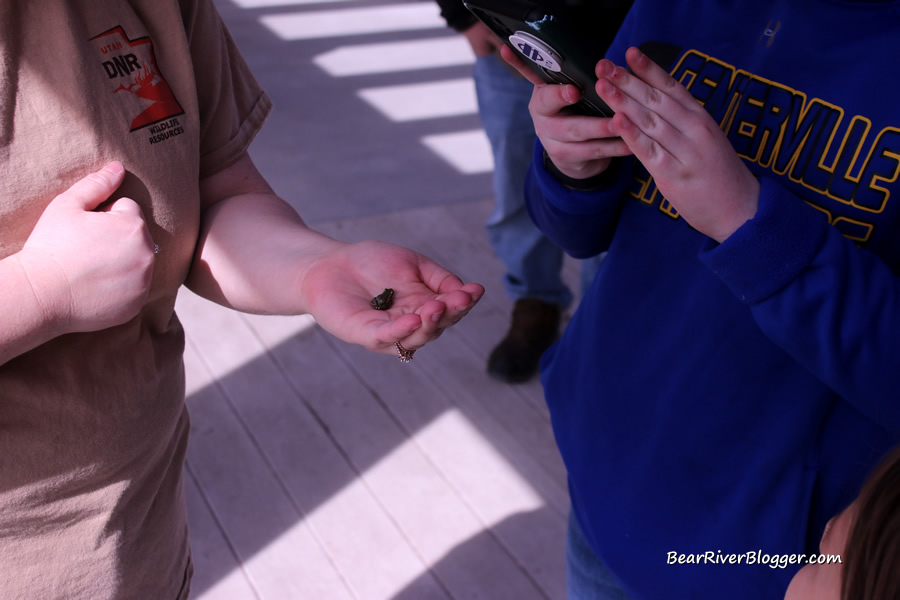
<point>254,511</point>
<point>217,570</point>
<point>409,480</point>
<point>493,471</point>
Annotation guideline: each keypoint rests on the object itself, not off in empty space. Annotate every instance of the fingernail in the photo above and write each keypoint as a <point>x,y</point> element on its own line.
<point>115,168</point>
<point>437,316</point>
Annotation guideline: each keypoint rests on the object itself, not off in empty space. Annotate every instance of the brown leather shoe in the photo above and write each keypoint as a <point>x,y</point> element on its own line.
<point>535,325</point>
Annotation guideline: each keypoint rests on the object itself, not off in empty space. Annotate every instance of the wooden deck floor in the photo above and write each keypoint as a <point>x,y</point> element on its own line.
<point>320,471</point>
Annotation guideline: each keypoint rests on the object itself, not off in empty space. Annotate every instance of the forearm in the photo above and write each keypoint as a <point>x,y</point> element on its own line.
<point>26,322</point>
<point>581,223</point>
<point>831,305</point>
<point>252,254</point>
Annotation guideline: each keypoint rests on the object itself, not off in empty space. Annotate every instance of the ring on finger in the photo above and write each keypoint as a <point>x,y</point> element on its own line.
<point>404,354</point>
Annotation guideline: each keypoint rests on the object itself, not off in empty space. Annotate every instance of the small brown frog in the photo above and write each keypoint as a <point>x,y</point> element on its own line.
<point>384,300</point>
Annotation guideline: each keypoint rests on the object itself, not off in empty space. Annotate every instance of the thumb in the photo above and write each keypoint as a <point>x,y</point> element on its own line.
<point>91,191</point>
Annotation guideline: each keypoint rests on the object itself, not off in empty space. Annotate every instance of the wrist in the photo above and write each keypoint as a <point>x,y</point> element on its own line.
<point>322,257</point>
<point>44,281</point>
<point>26,324</point>
<point>587,184</point>
<point>744,210</point>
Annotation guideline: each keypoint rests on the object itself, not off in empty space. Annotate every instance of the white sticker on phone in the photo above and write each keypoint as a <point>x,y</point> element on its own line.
<point>536,51</point>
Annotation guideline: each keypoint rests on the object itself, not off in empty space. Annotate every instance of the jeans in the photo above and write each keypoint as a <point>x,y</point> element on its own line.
<point>586,577</point>
<point>533,263</point>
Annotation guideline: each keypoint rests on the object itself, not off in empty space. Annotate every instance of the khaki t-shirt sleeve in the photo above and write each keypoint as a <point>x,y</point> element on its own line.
<point>232,104</point>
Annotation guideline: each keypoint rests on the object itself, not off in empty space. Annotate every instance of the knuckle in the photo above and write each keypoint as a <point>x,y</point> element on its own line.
<point>600,152</point>
<point>654,96</point>
<point>654,152</point>
<point>94,184</point>
<point>95,178</point>
<point>649,121</point>
<point>571,130</point>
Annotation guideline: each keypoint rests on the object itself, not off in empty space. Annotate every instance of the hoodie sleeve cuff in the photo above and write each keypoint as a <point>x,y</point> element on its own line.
<point>578,201</point>
<point>767,252</point>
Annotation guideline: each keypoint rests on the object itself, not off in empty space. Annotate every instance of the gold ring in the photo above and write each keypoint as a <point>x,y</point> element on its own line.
<point>405,354</point>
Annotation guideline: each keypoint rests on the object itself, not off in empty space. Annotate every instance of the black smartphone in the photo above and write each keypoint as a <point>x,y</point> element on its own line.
<point>558,50</point>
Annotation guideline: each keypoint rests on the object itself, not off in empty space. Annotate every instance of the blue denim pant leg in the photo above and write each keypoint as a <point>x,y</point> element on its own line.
<point>533,263</point>
<point>587,578</point>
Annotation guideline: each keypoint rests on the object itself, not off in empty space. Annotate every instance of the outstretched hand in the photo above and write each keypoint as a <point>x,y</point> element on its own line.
<point>680,144</point>
<point>339,288</point>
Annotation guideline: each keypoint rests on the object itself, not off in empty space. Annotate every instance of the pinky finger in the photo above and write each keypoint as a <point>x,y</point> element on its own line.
<point>401,328</point>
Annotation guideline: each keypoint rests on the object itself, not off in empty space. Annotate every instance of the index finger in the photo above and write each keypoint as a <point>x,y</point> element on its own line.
<point>549,100</point>
<point>443,282</point>
<point>125,206</point>
<point>513,59</point>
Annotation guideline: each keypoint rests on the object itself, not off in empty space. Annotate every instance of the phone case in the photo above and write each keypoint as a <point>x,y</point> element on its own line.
<point>559,52</point>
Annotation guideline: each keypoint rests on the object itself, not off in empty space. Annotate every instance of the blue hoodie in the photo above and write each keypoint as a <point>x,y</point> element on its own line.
<point>718,403</point>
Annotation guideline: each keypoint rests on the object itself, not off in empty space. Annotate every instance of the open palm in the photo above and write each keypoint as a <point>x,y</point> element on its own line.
<point>427,298</point>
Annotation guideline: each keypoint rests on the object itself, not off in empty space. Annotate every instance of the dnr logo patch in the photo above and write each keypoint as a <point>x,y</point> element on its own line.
<point>130,66</point>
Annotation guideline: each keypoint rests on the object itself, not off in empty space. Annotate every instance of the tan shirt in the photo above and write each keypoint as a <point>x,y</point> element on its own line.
<point>93,427</point>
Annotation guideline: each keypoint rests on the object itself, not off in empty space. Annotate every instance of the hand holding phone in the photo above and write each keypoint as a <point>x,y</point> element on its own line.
<point>553,48</point>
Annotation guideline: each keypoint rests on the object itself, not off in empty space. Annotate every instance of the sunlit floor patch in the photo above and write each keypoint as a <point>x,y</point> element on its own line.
<point>356,21</point>
<point>468,151</point>
<point>483,478</point>
<point>412,102</point>
<point>389,57</point>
